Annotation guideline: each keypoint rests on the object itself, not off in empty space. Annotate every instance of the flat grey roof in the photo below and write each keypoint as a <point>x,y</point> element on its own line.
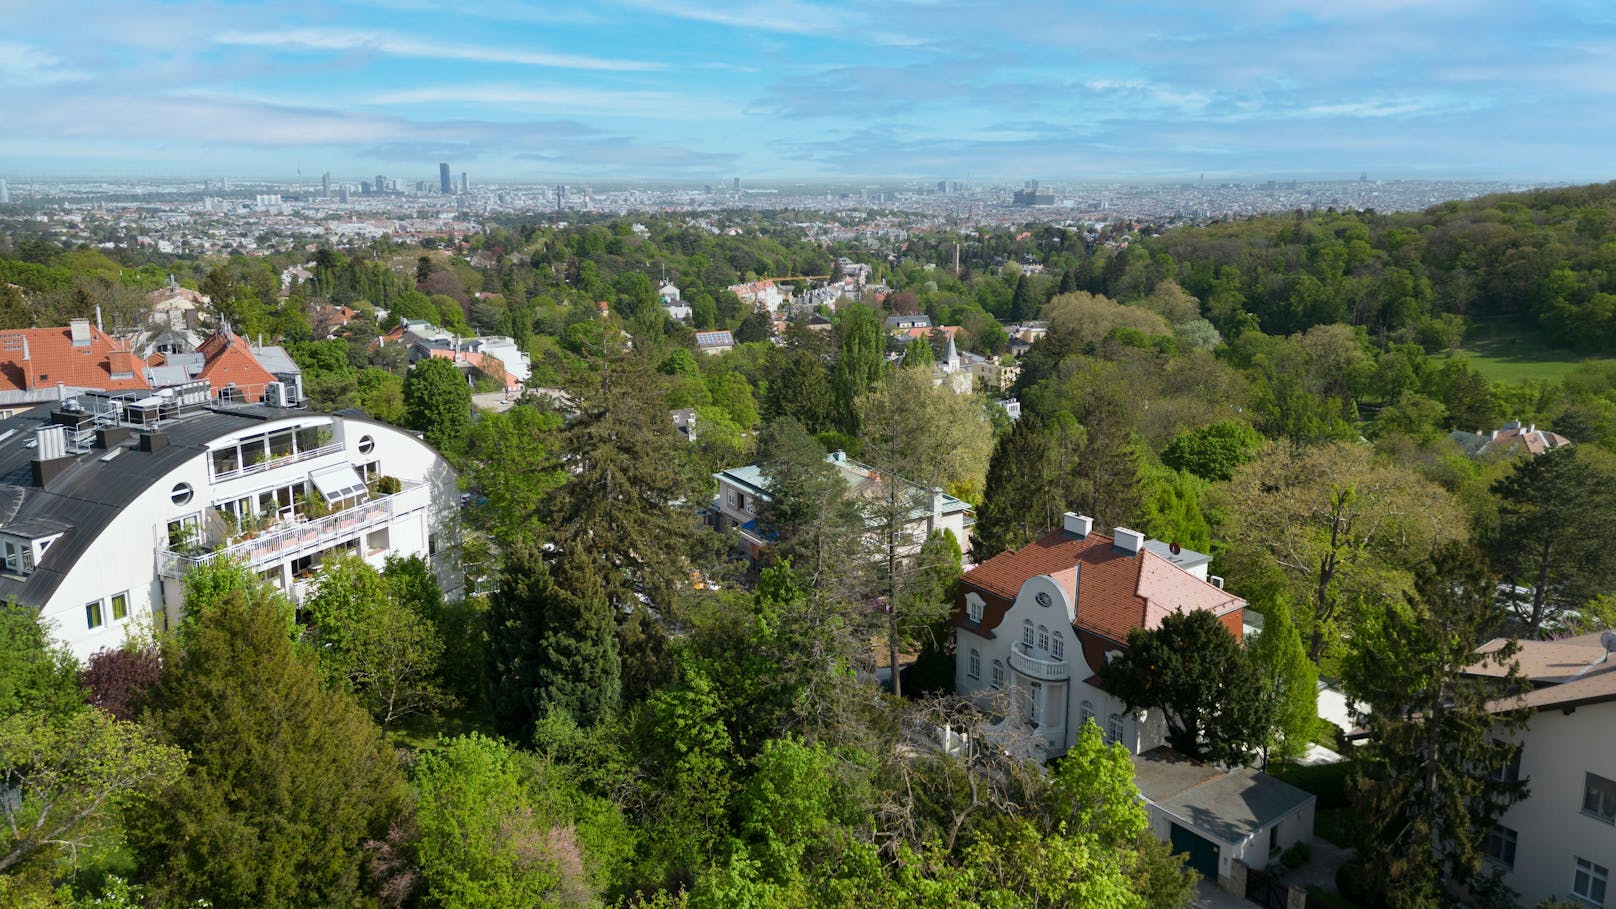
<point>1227,807</point>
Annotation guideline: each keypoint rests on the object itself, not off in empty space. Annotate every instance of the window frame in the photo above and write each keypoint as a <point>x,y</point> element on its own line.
<point>1057,645</point>
<point>998,674</point>
<point>1087,714</point>
<point>1508,841</point>
<point>973,608</point>
<point>1114,729</point>
<point>1510,770</point>
<point>118,604</point>
<point>973,664</point>
<point>1043,638</point>
<point>1026,633</point>
<point>93,616</point>
<point>1605,789</point>
<point>1595,874</point>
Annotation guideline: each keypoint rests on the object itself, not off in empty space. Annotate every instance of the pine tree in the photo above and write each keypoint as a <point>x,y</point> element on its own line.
<point>799,387</point>
<point>515,626</point>
<point>1554,515</point>
<point>287,777</point>
<point>1023,305</point>
<point>1427,782</point>
<point>577,667</point>
<point>810,517</point>
<point>1019,502</point>
<point>1105,481</point>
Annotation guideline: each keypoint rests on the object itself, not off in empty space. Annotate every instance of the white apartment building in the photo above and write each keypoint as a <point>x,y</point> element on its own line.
<point>107,500</point>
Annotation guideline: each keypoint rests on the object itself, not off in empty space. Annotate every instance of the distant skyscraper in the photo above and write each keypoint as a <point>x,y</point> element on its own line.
<point>5,194</point>
<point>381,183</point>
<point>443,178</point>
<point>737,184</point>
<point>325,184</point>
<point>364,187</point>
<point>465,185</point>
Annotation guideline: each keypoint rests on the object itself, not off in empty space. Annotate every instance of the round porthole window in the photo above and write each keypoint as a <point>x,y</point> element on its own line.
<point>366,444</point>
<point>1044,599</point>
<point>181,494</point>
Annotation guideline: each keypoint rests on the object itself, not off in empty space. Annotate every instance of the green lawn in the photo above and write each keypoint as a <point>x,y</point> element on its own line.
<point>1504,354</point>
<point>421,732</point>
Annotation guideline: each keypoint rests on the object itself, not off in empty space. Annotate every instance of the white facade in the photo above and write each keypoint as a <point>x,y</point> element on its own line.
<point>1035,654</point>
<point>1561,840</point>
<point>244,494</point>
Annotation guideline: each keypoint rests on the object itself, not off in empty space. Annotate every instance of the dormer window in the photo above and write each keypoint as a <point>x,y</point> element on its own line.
<point>973,608</point>
<point>19,556</point>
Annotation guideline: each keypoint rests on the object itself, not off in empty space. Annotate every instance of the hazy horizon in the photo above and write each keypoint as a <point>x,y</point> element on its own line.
<point>782,91</point>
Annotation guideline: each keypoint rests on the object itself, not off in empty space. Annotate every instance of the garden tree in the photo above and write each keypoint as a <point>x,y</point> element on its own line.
<point>1213,452</point>
<point>381,394</point>
<point>36,674</point>
<point>1173,507</point>
<point>757,326</point>
<point>437,402</point>
<point>1104,478</point>
<point>286,779</point>
<point>679,363</point>
<point>861,351</point>
<point>918,353</point>
<point>799,387</point>
<point>810,517</point>
<point>921,438</point>
<point>370,641</point>
<point>576,667</point>
<point>116,680</point>
<point>1343,525</point>
<point>1555,511</point>
<point>486,837</point>
<point>1024,300</point>
<point>1020,501</point>
<point>689,757</point>
<point>733,393</point>
<point>70,776</point>
<point>1201,678</point>
<point>1288,683</point>
<point>512,467</point>
<point>625,501</point>
<point>1427,782</point>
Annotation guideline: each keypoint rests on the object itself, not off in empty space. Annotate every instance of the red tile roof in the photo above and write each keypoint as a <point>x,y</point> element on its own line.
<point>1117,591</point>
<point>229,360</point>
<point>51,358</point>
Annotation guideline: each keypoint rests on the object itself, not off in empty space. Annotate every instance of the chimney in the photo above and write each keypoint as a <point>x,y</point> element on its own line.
<point>50,454</point>
<point>936,507</point>
<point>1129,541</point>
<point>1077,525</point>
<point>80,329</point>
<point>98,318</point>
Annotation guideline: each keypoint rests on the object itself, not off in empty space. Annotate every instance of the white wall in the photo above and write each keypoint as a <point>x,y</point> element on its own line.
<point>1559,750</point>
<point>125,555</point>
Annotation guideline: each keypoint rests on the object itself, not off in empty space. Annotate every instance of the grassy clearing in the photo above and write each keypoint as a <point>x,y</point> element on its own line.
<point>421,732</point>
<point>1509,354</point>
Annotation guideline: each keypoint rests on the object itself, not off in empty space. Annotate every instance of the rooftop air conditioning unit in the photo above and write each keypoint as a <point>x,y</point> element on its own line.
<point>275,394</point>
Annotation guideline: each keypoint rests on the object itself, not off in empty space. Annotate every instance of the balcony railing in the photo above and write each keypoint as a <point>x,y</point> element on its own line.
<point>274,462</point>
<point>302,538</point>
<point>1023,661</point>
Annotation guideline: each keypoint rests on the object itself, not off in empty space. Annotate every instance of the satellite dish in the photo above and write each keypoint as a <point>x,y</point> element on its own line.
<point>1174,548</point>
<point>1608,639</point>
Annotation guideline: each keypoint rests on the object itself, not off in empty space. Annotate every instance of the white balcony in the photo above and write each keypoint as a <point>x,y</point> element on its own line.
<point>1023,661</point>
<point>299,538</point>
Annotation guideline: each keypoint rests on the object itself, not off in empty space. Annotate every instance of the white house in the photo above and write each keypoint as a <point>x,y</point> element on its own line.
<point>1560,841</point>
<point>1033,626</point>
<point>743,490</point>
<point>106,500</point>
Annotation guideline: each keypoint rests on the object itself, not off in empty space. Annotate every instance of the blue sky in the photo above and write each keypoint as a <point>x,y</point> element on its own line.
<point>703,90</point>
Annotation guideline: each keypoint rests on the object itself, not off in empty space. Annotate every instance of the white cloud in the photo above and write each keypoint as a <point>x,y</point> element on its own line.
<point>24,64</point>
<point>401,46</point>
<point>646,104</point>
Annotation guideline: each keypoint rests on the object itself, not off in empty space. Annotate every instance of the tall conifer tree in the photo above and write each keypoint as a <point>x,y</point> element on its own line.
<point>1020,501</point>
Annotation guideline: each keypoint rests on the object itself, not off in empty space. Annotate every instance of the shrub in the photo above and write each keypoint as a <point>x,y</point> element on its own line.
<point>1296,856</point>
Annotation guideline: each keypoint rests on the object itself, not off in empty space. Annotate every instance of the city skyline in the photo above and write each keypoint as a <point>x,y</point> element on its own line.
<point>668,90</point>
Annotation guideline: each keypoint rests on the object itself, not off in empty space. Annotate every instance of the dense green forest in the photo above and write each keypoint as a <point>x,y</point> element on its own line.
<point>629,716</point>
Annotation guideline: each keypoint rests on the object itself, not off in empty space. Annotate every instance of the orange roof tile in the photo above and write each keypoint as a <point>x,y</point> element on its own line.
<point>228,360</point>
<point>1117,591</point>
<point>52,358</point>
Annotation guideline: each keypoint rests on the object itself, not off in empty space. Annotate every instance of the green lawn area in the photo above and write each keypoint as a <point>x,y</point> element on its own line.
<point>421,732</point>
<point>1510,354</point>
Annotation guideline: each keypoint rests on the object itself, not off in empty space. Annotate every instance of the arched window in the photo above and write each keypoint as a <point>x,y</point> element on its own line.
<point>1026,633</point>
<point>973,608</point>
<point>1113,732</point>
<point>1058,651</point>
<point>1043,638</point>
<point>975,667</point>
<point>1088,713</point>
<point>998,674</point>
